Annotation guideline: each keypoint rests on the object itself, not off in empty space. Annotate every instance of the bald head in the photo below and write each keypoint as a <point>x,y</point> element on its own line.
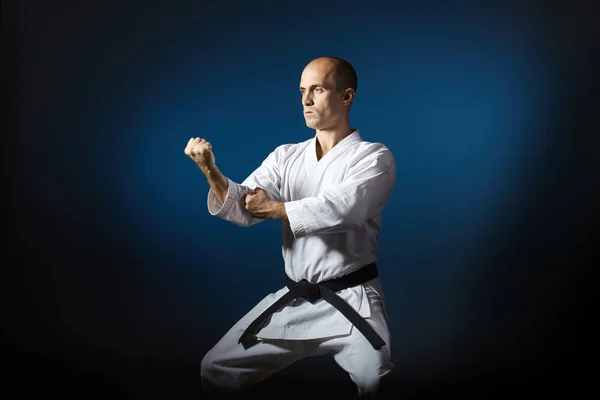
<point>337,71</point>
<point>327,85</point>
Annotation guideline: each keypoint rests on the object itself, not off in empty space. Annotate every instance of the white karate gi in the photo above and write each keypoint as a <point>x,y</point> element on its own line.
<point>334,218</point>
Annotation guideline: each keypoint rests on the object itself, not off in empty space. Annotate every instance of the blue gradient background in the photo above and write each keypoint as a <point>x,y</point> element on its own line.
<point>121,272</point>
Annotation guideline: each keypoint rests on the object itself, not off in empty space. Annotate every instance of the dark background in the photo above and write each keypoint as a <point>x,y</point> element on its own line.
<point>120,280</point>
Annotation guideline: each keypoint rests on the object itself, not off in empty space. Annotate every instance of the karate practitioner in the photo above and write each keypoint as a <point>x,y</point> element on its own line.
<point>328,193</point>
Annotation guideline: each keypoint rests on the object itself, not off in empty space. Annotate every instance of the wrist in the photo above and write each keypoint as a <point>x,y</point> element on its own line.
<point>207,170</point>
<point>280,212</point>
<point>213,175</point>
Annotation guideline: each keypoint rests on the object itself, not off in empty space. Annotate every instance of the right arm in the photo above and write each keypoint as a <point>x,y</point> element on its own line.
<point>226,198</point>
<point>219,184</point>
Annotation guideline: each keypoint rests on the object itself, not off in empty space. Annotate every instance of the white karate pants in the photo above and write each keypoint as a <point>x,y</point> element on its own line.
<point>229,366</point>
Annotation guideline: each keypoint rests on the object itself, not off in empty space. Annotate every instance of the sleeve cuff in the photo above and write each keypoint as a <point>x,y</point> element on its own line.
<point>292,209</point>
<point>217,209</point>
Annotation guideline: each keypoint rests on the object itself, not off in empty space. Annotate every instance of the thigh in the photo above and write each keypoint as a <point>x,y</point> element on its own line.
<point>355,354</point>
<point>230,365</point>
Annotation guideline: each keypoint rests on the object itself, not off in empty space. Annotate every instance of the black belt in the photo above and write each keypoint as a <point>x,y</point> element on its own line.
<point>325,290</point>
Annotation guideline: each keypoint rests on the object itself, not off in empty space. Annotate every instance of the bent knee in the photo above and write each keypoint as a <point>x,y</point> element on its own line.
<point>367,384</point>
<point>217,374</point>
<point>206,365</point>
<point>369,381</point>
<point>212,373</point>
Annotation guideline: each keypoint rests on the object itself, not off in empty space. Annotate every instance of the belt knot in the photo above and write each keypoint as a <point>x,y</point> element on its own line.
<point>308,291</point>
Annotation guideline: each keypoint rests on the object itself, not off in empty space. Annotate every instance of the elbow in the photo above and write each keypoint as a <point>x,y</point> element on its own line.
<point>246,221</point>
<point>243,223</point>
<point>242,219</point>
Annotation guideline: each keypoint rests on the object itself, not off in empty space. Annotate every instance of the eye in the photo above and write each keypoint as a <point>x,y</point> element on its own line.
<point>318,90</point>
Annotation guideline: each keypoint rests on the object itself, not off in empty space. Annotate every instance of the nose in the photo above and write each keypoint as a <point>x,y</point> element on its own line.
<point>307,99</point>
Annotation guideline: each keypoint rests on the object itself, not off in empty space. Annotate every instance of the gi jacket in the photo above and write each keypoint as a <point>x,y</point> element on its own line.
<point>334,210</point>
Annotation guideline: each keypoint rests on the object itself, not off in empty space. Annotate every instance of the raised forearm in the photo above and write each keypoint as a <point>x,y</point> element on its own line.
<point>217,181</point>
<point>200,151</point>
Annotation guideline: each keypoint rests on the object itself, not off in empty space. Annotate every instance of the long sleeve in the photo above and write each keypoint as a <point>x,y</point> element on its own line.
<point>361,195</point>
<point>266,176</point>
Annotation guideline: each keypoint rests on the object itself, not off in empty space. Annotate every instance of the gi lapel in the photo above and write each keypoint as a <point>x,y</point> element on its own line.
<point>319,166</point>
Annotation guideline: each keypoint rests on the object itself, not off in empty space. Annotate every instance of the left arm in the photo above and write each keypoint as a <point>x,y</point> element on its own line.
<point>341,208</point>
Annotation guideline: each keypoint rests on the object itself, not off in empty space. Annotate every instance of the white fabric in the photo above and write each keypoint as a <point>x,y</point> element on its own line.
<point>334,209</point>
<point>230,366</point>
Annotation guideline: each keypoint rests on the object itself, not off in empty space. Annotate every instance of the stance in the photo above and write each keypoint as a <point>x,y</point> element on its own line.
<point>328,193</point>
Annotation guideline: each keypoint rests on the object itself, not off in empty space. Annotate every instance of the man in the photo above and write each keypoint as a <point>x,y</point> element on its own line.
<point>328,193</point>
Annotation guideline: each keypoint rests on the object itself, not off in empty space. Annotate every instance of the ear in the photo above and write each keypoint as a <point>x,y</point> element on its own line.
<point>348,97</point>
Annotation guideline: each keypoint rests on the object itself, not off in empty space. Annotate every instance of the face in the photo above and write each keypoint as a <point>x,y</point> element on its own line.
<point>324,107</point>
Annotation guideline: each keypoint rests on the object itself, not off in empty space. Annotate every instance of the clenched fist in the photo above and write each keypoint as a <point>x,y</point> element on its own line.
<point>260,205</point>
<point>200,151</point>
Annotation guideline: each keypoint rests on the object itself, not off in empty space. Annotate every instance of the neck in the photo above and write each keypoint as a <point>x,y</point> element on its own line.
<point>328,138</point>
